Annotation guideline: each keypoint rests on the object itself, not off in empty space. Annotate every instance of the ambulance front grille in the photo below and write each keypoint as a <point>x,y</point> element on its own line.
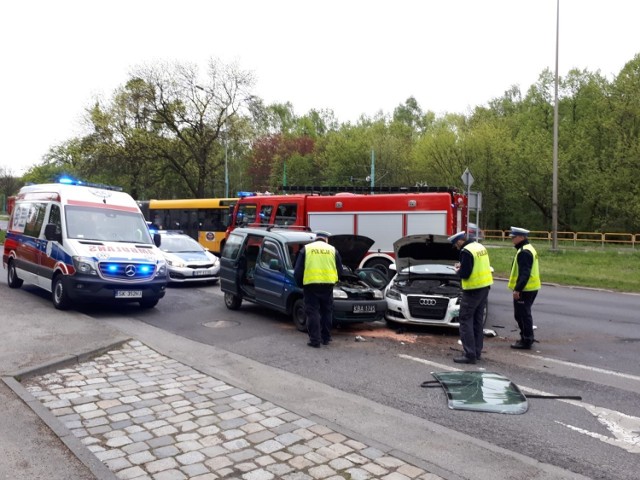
<point>127,270</point>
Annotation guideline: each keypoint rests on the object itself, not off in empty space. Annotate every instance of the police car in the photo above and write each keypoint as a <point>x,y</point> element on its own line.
<point>187,260</point>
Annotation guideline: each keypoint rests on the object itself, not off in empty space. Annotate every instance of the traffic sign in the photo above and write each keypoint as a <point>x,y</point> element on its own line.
<point>467,178</point>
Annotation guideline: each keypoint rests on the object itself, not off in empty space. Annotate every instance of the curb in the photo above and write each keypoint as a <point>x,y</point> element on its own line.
<point>75,446</point>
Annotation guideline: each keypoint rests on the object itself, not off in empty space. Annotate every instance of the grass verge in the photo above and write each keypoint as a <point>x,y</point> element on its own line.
<point>611,269</point>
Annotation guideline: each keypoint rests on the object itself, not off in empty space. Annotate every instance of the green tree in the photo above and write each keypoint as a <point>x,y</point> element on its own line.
<point>192,116</point>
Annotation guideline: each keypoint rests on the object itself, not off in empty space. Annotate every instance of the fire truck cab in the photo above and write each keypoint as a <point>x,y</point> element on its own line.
<point>384,217</point>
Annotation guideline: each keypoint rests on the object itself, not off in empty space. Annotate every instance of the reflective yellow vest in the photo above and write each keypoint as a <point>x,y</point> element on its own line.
<point>319,263</point>
<point>481,274</point>
<point>534,279</point>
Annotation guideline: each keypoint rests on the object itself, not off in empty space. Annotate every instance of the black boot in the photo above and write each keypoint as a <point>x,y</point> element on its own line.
<point>522,345</point>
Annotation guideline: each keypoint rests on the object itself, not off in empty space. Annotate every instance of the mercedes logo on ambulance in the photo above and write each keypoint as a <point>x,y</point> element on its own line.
<point>430,302</point>
<point>130,270</point>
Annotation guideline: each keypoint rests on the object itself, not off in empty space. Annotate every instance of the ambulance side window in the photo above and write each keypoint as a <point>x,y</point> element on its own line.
<point>54,217</point>
<point>35,219</point>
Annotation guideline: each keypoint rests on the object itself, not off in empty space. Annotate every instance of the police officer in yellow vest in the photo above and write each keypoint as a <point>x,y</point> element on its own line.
<point>317,270</point>
<point>475,272</point>
<point>525,283</point>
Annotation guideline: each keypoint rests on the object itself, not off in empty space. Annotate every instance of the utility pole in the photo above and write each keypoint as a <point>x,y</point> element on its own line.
<point>554,201</point>
<point>226,168</point>
<point>373,169</point>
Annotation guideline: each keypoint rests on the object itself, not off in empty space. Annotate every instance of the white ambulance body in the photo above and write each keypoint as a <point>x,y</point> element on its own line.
<point>83,243</point>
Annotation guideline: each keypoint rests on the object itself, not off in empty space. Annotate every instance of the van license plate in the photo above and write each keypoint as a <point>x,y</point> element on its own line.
<point>364,309</point>
<point>128,293</point>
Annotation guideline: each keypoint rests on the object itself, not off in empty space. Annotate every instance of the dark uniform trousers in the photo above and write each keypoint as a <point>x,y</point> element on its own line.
<point>318,308</point>
<point>522,313</point>
<point>471,315</point>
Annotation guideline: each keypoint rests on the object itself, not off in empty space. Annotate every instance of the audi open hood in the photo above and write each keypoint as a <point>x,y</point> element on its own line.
<point>423,248</point>
<point>352,248</point>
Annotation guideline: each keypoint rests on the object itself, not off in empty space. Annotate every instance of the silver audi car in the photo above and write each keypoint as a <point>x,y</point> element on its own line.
<point>425,289</point>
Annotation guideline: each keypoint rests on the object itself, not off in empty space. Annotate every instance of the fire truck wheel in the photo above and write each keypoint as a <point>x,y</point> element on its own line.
<point>299,318</point>
<point>12,277</point>
<point>231,301</point>
<point>59,294</point>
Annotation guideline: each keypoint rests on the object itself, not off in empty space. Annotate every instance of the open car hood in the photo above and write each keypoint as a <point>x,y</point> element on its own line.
<point>422,249</point>
<point>352,248</point>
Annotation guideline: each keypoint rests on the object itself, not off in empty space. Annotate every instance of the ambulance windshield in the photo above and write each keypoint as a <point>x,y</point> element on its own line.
<point>106,224</point>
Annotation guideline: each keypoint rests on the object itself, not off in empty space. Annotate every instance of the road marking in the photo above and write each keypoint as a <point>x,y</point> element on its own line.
<point>624,428</point>
<point>583,367</point>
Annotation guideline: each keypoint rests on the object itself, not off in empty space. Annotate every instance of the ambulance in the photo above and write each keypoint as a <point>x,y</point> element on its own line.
<point>83,242</point>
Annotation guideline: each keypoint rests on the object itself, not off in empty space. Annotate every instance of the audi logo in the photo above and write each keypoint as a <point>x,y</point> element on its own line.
<point>130,270</point>
<point>428,302</point>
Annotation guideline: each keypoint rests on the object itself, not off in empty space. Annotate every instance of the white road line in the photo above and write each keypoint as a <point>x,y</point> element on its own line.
<point>624,428</point>
<point>583,367</point>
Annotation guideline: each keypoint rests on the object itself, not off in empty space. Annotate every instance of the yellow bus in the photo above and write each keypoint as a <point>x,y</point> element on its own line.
<point>204,219</point>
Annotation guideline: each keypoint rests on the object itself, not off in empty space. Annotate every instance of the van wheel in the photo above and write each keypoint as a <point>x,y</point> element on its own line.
<point>149,303</point>
<point>59,294</point>
<point>231,301</point>
<point>485,314</point>
<point>298,315</point>
<point>12,277</point>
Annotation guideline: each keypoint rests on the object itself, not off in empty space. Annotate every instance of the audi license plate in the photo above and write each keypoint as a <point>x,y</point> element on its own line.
<point>364,309</point>
<point>128,293</point>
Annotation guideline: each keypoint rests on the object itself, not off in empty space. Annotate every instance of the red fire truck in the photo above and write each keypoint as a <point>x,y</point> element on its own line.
<point>384,217</point>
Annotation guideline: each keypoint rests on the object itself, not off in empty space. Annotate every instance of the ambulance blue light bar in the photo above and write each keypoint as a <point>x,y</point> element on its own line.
<point>66,180</point>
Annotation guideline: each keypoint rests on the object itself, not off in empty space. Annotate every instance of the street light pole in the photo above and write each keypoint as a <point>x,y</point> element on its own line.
<point>373,170</point>
<point>226,168</point>
<point>554,201</point>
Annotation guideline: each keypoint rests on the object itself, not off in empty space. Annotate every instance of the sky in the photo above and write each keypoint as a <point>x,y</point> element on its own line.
<point>355,57</point>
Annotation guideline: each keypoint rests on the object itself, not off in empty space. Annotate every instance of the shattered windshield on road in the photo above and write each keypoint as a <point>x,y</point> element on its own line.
<point>482,392</point>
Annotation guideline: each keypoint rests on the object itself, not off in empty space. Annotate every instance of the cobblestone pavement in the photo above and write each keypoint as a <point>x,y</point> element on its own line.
<point>147,416</point>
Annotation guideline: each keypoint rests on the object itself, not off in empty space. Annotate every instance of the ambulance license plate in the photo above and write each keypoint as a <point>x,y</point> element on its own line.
<point>128,293</point>
<point>364,309</point>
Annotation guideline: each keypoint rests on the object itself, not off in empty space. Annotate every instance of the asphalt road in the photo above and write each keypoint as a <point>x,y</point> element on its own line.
<point>588,346</point>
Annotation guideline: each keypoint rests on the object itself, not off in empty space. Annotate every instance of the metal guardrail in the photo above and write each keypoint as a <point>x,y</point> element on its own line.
<point>575,238</point>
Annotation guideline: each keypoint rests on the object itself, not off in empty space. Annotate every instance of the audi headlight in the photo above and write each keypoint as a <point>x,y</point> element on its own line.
<point>337,293</point>
<point>85,265</point>
<point>394,294</point>
<point>377,294</point>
